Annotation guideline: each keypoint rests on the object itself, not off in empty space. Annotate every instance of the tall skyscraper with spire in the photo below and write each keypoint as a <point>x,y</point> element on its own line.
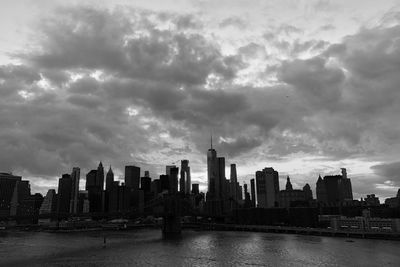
<point>212,169</point>
<point>217,189</point>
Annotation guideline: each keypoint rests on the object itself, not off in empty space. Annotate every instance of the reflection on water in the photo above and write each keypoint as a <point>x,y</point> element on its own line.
<point>146,247</point>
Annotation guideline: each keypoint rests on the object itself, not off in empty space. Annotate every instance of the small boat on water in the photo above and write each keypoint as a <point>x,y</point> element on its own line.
<point>349,240</point>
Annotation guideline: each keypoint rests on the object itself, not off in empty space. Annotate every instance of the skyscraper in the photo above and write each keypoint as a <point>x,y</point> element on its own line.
<point>145,184</point>
<point>173,180</point>
<point>212,170</point>
<point>247,201</point>
<point>184,183</point>
<point>22,191</point>
<point>132,177</point>
<point>75,177</point>
<point>164,182</point>
<point>49,204</point>
<point>267,187</point>
<point>253,193</point>
<point>321,190</point>
<point>109,179</point>
<point>345,187</point>
<point>332,185</point>
<point>64,193</point>
<point>234,184</point>
<point>94,191</point>
<point>216,195</point>
<point>220,179</point>
<point>334,189</point>
<point>307,192</point>
<point>288,184</point>
<point>195,189</point>
<point>7,186</point>
<point>168,169</point>
<point>100,176</point>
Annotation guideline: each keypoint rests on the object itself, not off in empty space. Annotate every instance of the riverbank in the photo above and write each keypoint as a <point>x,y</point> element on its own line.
<point>303,231</point>
<point>222,227</point>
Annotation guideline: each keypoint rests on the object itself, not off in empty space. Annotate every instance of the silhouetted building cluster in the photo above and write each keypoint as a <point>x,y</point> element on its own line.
<point>259,202</point>
<point>16,198</point>
<point>334,189</point>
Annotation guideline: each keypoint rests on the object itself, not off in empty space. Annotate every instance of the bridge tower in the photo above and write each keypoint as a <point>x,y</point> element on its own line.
<point>172,216</point>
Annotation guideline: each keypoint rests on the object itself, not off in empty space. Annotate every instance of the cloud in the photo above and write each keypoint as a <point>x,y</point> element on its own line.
<point>138,86</point>
<point>314,80</point>
<point>234,22</point>
<point>390,171</point>
<point>240,145</point>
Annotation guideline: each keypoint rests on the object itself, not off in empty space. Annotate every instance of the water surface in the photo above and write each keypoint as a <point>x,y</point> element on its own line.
<point>146,247</point>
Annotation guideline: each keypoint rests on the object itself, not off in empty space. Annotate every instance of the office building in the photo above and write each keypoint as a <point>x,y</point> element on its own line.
<point>75,177</point>
<point>288,184</point>
<point>132,177</point>
<point>164,182</point>
<point>145,184</point>
<point>267,182</point>
<point>173,180</point>
<point>321,191</point>
<point>307,193</point>
<point>95,192</point>
<point>100,176</point>
<point>7,186</point>
<point>334,190</point>
<point>195,189</point>
<point>253,193</point>
<point>184,182</point>
<point>49,204</point>
<point>22,191</point>
<point>393,202</point>
<point>83,202</point>
<point>234,185</point>
<point>212,172</point>
<point>64,194</point>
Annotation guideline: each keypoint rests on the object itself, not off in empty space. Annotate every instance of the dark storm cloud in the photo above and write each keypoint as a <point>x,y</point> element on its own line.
<point>314,80</point>
<point>14,78</point>
<point>83,120</point>
<point>239,146</point>
<point>180,83</point>
<point>389,171</point>
<point>93,39</point>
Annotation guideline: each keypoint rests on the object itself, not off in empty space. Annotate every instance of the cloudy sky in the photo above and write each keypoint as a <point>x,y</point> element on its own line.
<point>306,87</point>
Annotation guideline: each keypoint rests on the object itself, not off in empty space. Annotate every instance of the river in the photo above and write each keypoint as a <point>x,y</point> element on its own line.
<point>147,248</point>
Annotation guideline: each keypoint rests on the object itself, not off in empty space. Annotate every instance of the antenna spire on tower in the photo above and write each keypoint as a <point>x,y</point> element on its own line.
<point>211,141</point>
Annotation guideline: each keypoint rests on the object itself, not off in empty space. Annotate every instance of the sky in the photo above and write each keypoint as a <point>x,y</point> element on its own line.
<point>306,87</point>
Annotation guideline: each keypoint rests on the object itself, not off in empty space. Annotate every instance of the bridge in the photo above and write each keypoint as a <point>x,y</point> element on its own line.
<point>171,207</point>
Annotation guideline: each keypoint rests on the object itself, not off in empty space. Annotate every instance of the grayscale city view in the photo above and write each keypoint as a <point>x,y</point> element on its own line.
<point>200,133</point>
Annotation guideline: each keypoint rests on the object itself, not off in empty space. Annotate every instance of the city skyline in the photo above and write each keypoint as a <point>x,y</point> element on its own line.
<point>305,87</point>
